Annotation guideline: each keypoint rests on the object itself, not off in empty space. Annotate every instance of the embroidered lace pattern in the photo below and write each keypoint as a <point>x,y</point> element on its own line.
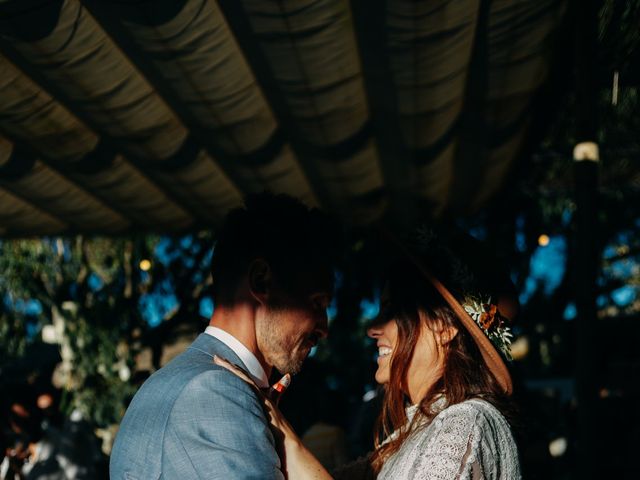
<point>467,441</point>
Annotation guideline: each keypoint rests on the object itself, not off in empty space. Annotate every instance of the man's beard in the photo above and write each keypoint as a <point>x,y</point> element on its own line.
<point>283,353</point>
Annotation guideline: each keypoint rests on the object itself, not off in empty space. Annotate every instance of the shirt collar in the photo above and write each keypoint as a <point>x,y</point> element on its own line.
<point>249,359</point>
<point>438,405</point>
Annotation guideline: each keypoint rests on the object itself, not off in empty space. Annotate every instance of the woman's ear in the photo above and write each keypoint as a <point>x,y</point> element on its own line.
<point>442,333</point>
<point>260,279</point>
<point>446,334</point>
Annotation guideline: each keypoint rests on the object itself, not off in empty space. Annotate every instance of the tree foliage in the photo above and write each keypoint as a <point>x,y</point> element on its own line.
<point>81,294</point>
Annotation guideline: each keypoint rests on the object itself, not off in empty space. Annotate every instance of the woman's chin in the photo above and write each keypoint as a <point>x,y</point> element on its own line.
<point>382,377</point>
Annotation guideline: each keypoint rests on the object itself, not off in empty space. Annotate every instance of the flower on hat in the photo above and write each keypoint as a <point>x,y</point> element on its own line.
<point>489,319</point>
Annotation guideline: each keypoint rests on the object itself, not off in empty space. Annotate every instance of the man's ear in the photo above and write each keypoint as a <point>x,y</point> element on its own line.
<point>260,278</point>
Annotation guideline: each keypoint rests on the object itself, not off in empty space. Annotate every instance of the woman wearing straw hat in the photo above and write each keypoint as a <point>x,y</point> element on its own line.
<point>441,341</point>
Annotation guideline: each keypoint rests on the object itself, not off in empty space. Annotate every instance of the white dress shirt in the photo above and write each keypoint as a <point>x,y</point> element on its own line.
<point>249,359</point>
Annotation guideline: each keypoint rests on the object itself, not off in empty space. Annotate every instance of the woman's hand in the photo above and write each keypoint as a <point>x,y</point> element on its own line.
<point>297,461</point>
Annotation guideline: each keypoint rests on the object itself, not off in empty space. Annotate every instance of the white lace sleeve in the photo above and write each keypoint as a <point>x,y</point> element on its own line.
<point>448,453</point>
<point>468,441</point>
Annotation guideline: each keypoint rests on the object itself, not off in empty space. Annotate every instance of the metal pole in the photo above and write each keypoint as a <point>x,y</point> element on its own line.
<point>586,158</point>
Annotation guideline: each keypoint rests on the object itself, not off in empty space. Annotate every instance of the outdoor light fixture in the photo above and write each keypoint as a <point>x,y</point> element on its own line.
<point>543,240</point>
<point>145,265</point>
<point>558,447</point>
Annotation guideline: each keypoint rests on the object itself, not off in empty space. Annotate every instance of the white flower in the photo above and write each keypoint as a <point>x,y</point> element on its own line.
<point>76,415</point>
<point>50,335</point>
<point>66,352</point>
<point>124,373</point>
<point>69,306</point>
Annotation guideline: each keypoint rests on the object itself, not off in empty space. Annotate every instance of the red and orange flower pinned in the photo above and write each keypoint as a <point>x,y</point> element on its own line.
<point>489,319</point>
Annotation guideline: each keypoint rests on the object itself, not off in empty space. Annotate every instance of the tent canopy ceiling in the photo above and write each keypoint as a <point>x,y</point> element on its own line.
<point>159,115</point>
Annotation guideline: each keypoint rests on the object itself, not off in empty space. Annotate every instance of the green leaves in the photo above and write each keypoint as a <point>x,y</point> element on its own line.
<point>90,321</point>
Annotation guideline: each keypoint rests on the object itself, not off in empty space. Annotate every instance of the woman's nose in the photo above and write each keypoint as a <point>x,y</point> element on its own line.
<point>373,332</point>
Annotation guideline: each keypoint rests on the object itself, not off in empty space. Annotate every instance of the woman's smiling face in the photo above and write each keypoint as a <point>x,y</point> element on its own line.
<point>425,365</point>
<point>386,336</point>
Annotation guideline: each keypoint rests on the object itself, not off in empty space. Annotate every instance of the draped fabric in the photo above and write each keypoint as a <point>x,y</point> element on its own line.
<point>430,46</point>
<point>33,117</point>
<point>311,49</point>
<point>159,115</point>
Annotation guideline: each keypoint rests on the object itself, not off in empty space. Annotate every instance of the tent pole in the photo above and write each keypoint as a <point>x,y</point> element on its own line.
<point>586,159</point>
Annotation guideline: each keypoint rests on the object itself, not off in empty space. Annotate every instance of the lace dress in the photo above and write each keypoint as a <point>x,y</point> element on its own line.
<point>467,441</point>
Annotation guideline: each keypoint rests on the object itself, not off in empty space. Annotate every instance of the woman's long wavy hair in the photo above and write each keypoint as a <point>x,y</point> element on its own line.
<point>464,376</point>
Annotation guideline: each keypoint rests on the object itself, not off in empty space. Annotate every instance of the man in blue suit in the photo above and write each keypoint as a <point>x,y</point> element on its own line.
<point>272,272</point>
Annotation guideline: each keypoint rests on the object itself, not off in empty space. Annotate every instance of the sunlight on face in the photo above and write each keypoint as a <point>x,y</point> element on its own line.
<point>425,366</point>
<point>287,330</point>
<point>386,336</point>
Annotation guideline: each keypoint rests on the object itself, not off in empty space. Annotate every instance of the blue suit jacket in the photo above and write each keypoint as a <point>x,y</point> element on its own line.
<point>193,419</point>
